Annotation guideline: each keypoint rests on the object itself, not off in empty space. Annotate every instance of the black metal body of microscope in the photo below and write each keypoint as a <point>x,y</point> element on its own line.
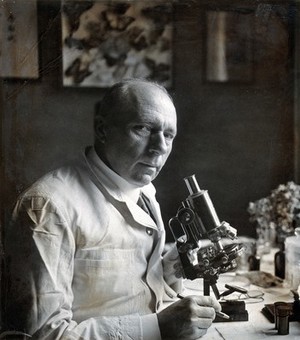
<point>196,221</point>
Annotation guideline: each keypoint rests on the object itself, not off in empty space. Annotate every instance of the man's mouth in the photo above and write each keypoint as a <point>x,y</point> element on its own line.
<point>150,165</point>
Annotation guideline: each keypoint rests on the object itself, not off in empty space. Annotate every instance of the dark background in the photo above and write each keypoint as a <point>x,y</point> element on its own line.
<point>238,137</point>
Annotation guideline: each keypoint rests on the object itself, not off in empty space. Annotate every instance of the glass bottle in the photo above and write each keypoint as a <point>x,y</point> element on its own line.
<point>292,260</point>
<point>279,261</point>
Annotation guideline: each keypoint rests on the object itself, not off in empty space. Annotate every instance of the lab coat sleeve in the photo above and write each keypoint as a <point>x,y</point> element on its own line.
<point>39,258</point>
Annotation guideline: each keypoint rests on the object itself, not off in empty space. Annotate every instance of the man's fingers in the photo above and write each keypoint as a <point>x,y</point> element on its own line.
<point>198,333</point>
<point>171,253</point>
<point>205,313</point>
<point>208,301</point>
<point>204,323</point>
<point>203,306</point>
<point>178,270</point>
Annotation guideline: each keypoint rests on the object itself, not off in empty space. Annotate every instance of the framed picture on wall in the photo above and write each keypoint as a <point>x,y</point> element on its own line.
<point>229,45</point>
<point>18,39</point>
<point>106,41</point>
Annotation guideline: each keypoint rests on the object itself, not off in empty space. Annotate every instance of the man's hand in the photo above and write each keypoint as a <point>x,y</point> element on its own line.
<point>189,318</point>
<point>171,263</point>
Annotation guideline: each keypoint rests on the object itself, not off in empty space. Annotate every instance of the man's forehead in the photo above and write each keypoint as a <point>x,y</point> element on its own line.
<point>140,89</point>
<point>144,97</point>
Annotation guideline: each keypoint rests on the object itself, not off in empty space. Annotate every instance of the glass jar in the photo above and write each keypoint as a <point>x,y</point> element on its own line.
<point>263,243</point>
<point>292,260</point>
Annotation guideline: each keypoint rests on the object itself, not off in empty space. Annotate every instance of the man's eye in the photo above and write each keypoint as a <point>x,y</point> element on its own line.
<point>169,136</point>
<point>142,129</point>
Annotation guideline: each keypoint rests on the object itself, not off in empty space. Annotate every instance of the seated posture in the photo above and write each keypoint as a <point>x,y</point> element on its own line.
<point>83,259</point>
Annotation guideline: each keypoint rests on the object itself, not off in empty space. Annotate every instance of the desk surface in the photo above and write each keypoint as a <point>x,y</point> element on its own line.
<point>258,327</point>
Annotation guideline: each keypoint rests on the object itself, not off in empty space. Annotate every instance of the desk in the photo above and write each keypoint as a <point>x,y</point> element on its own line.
<point>258,327</point>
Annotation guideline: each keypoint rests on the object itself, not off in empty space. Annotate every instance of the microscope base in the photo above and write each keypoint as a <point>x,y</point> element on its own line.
<point>235,309</point>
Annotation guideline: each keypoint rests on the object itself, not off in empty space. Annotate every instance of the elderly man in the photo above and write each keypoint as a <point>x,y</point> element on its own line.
<point>84,258</point>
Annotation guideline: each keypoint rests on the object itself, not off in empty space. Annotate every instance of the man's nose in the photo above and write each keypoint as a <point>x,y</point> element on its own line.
<point>158,143</point>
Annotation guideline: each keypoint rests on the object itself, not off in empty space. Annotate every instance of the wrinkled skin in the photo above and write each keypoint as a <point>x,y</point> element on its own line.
<point>138,139</point>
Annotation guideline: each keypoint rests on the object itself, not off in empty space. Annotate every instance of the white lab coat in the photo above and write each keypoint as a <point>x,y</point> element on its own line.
<point>81,264</point>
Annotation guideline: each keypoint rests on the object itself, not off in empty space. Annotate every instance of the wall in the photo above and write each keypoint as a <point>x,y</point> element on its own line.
<point>237,137</point>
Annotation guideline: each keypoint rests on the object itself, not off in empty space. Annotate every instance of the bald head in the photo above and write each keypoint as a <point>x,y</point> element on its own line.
<point>125,94</point>
<point>135,125</point>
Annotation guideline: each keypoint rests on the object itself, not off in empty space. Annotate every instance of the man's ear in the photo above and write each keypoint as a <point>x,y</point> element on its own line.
<point>100,129</point>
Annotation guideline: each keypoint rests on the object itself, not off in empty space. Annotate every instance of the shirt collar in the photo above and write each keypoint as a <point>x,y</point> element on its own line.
<point>125,187</point>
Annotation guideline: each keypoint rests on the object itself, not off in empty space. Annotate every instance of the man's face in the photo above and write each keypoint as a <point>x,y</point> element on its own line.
<point>140,139</point>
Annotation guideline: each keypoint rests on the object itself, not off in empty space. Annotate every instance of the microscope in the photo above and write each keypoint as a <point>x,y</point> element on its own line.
<point>196,221</point>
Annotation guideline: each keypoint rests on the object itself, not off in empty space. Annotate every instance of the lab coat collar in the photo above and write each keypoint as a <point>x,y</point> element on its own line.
<point>121,191</point>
